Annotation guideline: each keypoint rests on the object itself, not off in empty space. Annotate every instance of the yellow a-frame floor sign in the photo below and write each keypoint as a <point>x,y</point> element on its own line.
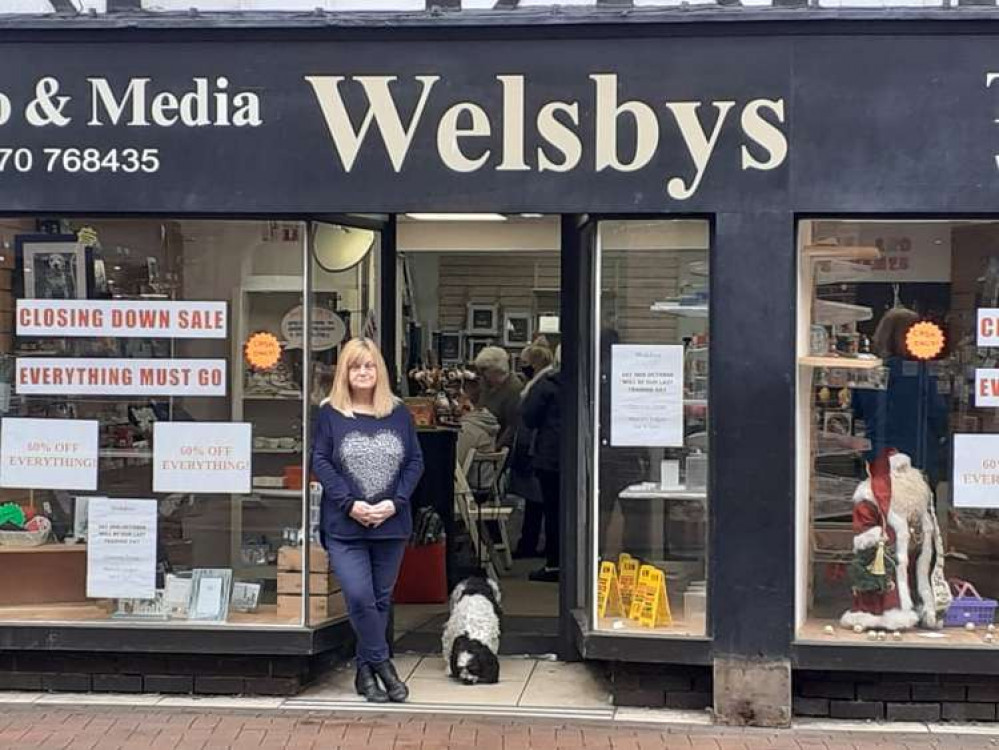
<point>627,573</point>
<point>608,592</point>
<point>650,605</point>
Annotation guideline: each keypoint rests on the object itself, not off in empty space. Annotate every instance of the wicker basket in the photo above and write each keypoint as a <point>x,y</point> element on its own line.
<point>27,538</point>
<point>968,606</point>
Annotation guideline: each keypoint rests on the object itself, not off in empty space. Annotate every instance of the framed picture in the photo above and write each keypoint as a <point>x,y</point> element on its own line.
<point>449,347</point>
<point>245,597</point>
<point>516,329</point>
<point>482,319</point>
<point>54,266</point>
<point>475,346</point>
<point>837,423</point>
<point>210,592</point>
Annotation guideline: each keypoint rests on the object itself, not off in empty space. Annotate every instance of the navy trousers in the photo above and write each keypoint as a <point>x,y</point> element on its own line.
<point>367,571</point>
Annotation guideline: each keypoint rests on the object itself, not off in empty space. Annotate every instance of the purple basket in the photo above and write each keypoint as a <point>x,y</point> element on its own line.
<point>968,606</point>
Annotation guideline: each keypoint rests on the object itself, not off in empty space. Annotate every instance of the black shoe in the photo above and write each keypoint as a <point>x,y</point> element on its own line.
<point>544,575</point>
<point>367,685</point>
<point>396,688</point>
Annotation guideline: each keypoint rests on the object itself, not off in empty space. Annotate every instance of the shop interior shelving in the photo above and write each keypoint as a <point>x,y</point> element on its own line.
<point>259,304</point>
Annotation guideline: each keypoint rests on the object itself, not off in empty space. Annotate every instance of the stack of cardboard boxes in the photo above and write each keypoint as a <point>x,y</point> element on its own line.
<point>325,598</point>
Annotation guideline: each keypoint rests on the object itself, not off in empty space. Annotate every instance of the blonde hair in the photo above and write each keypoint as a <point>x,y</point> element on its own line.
<point>538,357</point>
<point>354,350</point>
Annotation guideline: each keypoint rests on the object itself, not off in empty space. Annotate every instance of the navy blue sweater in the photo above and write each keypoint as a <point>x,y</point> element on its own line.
<point>366,458</point>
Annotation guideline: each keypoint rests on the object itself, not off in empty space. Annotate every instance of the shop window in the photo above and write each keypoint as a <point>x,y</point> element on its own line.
<point>898,537</point>
<point>151,455</point>
<point>652,346</point>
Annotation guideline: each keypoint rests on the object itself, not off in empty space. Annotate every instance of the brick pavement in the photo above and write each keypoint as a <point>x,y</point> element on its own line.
<point>124,728</point>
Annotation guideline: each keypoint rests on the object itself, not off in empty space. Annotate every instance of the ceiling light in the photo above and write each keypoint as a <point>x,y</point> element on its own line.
<point>457,217</point>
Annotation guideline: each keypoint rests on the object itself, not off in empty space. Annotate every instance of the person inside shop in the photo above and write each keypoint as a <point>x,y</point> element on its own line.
<point>542,412</point>
<point>367,458</point>
<point>910,416</point>
<point>478,427</point>
<point>536,362</point>
<point>500,391</point>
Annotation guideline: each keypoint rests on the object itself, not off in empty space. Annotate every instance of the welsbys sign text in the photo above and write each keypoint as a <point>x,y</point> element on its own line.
<point>468,136</point>
<point>693,124</point>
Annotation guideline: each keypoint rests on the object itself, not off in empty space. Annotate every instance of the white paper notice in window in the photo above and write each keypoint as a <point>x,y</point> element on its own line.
<point>976,471</point>
<point>988,326</point>
<point>121,548</point>
<point>646,395</point>
<point>202,457</point>
<point>51,454</point>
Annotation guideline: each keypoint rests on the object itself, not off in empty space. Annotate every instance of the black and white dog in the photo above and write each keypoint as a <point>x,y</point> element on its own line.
<point>472,633</point>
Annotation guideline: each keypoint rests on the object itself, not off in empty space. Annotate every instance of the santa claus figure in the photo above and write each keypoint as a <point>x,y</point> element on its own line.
<point>894,545</point>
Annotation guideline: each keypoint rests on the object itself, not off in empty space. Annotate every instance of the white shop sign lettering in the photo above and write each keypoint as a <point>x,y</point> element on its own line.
<point>122,318</point>
<point>121,548</point>
<point>202,457</point>
<point>646,395</point>
<point>57,454</point>
<point>120,377</point>
<point>976,471</point>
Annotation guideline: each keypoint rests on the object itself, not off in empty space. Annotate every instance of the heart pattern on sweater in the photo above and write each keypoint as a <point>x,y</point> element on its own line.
<point>372,461</point>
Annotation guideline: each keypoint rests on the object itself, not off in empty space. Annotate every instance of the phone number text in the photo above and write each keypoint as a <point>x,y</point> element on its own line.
<point>79,160</point>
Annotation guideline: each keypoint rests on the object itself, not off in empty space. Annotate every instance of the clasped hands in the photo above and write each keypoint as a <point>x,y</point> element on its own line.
<point>370,515</point>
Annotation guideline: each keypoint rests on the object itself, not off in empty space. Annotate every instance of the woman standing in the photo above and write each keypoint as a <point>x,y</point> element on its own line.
<point>542,412</point>
<point>368,459</point>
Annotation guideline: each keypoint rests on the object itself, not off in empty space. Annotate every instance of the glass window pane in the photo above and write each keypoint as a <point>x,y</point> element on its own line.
<point>161,347</point>
<point>652,429</point>
<point>897,430</point>
<point>344,304</point>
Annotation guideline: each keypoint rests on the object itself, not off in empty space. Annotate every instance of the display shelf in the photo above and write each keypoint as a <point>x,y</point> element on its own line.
<point>841,271</point>
<point>852,363</point>
<point>274,397</point>
<point>683,311</point>
<point>278,451</point>
<point>848,252</point>
<point>264,492</point>
<point>695,402</point>
<point>626,627</point>
<point>125,453</point>
<point>814,631</point>
<point>654,492</point>
<point>829,313</point>
<point>42,549</point>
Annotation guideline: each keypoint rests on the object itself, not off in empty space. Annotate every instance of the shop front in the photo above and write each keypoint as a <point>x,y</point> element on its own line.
<point>764,251</point>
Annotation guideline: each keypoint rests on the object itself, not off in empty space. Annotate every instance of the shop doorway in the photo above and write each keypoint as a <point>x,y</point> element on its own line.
<point>478,328</point>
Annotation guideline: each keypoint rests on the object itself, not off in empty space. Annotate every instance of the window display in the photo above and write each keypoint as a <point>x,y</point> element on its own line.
<point>652,427</point>
<point>897,434</point>
<point>151,420</point>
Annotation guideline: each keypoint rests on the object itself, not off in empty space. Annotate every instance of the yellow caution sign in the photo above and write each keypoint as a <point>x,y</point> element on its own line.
<point>608,592</point>
<point>627,571</point>
<point>650,604</point>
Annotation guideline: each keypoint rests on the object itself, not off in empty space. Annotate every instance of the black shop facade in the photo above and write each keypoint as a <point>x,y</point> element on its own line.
<point>763,246</point>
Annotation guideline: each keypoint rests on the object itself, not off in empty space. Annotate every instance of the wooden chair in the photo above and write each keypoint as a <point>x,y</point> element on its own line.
<point>478,495</point>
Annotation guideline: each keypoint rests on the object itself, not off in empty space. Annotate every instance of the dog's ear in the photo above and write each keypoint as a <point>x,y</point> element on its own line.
<point>487,664</point>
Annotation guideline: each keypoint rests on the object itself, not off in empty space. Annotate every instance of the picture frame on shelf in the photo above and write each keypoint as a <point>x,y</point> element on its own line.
<point>482,319</point>
<point>52,266</point>
<point>211,589</point>
<point>517,329</point>
<point>449,347</point>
